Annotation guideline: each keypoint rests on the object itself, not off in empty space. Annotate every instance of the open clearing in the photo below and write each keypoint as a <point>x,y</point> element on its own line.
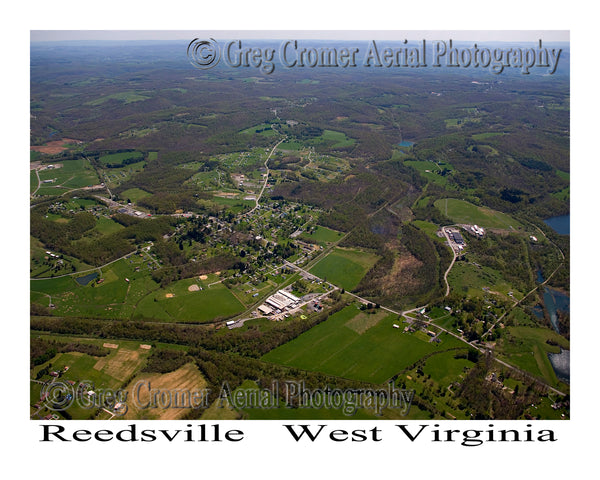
<point>431,170</point>
<point>472,279</point>
<point>322,235</point>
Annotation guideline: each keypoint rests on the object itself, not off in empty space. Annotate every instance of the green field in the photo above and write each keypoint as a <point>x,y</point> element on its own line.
<point>355,345</point>
<point>431,170</point>
<point>120,157</point>
<point>125,97</point>
<point>134,194</point>
<point>322,235</point>
<point>106,226</point>
<point>340,139</point>
<point>486,136</point>
<point>113,298</point>
<point>236,205</point>
<point>263,129</point>
<point>290,146</point>
<point>563,194</point>
<point>471,279</point>
<point>461,211</point>
<point>344,267</point>
<point>527,348</point>
<point>33,181</point>
<point>430,229</point>
<point>209,304</point>
<point>444,368</point>
<point>73,174</point>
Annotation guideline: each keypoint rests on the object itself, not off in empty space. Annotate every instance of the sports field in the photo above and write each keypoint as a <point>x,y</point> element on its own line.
<point>177,303</point>
<point>461,211</point>
<point>345,267</point>
<point>344,346</point>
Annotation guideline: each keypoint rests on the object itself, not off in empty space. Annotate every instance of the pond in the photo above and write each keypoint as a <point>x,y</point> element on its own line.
<point>561,363</point>
<point>86,279</point>
<point>561,224</point>
<point>554,301</point>
<point>406,144</point>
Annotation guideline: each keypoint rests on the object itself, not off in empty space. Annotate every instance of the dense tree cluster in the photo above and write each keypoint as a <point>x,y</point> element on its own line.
<point>42,350</point>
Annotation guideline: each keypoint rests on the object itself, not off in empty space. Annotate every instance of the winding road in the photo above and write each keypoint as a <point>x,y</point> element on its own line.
<point>266,179</point>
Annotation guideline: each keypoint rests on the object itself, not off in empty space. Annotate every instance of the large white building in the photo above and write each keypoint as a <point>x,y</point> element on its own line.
<point>281,300</point>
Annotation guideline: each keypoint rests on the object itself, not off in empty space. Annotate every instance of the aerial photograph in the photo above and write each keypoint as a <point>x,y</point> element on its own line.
<point>299,225</point>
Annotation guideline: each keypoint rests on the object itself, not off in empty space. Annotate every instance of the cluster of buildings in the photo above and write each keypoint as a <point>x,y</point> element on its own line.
<point>278,302</point>
<point>477,230</point>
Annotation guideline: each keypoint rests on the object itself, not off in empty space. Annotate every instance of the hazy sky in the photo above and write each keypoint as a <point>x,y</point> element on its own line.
<point>466,35</point>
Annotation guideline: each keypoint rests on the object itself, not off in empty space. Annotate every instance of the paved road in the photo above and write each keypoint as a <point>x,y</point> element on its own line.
<point>266,179</point>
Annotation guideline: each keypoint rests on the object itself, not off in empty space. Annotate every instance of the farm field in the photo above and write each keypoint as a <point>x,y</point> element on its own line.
<point>185,379</point>
<point>344,346</point>
<point>461,211</point>
<point>344,267</point>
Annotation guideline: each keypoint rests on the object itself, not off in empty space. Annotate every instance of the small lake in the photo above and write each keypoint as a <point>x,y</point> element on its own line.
<point>406,144</point>
<point>561,224</point>
<point>555,301</point>
<point>87,279</point>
